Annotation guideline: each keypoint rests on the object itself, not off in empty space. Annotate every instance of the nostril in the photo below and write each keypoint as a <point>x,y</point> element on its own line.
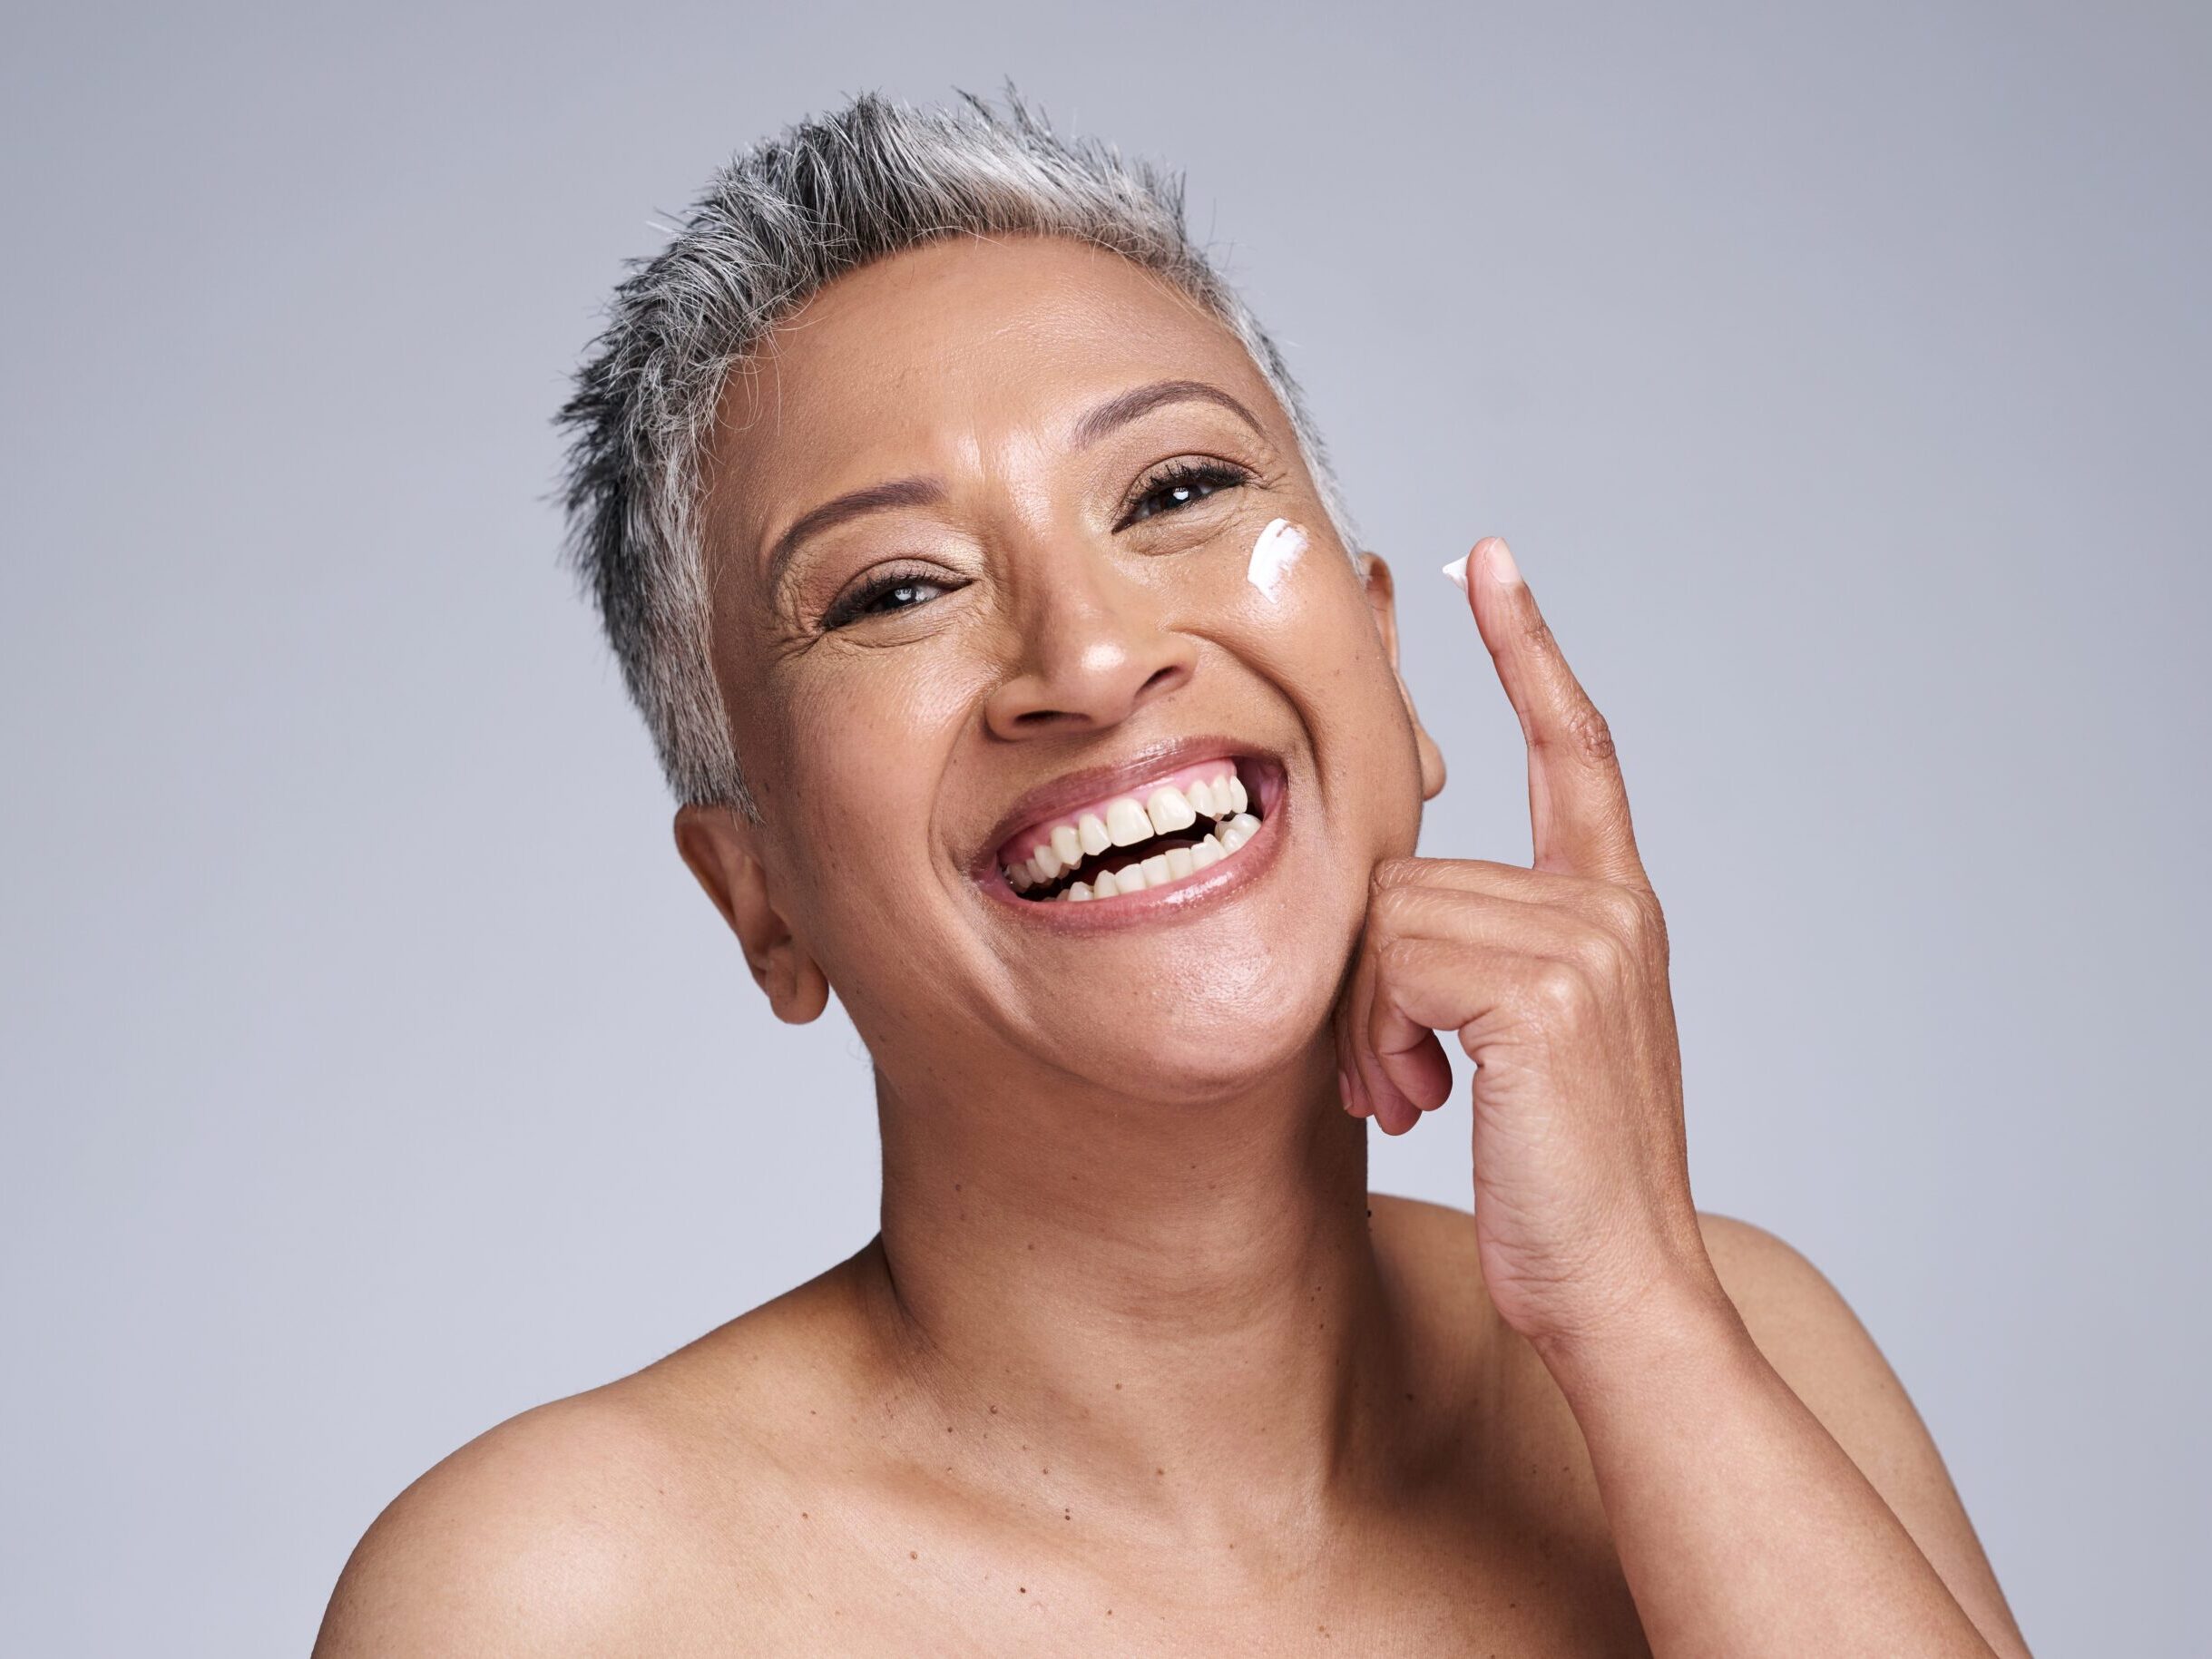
<point>1096,694</point>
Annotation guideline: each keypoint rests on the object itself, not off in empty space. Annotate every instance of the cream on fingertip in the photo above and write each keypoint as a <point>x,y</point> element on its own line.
<point>1457,571</point>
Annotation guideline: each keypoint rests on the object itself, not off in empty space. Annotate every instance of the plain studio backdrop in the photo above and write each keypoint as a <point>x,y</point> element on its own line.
<point>374,1069</point>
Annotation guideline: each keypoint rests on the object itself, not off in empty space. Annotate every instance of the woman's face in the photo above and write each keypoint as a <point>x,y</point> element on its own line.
<point>984,520</point>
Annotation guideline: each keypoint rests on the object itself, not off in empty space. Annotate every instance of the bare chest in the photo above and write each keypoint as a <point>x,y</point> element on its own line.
<point>1451,1611</point>
<point>1427,1585</point>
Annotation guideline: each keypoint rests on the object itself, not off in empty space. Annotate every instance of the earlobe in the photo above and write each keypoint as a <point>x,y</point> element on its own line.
<point>1382,600</point>
<point>719,851</point>
<point>1432,760</point>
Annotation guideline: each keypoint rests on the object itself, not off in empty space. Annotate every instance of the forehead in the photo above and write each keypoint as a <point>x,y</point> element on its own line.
<point>956,351</point>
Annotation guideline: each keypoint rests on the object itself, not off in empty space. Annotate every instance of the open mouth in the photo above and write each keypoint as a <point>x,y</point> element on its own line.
<point>1175,825</point>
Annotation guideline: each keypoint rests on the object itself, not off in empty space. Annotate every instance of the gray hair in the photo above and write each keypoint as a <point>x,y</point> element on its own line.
<point>777,224</point>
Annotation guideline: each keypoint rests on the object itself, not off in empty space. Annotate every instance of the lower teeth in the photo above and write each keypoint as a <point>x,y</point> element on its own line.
<point>1229,834</point>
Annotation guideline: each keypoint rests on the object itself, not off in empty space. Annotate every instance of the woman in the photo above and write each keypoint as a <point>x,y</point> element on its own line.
<point>974,562</point>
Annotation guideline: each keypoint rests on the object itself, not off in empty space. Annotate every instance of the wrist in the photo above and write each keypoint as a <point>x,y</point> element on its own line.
<point>1684,1326</point>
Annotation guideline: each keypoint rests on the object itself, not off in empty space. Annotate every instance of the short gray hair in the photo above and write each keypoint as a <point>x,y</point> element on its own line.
<point>777,224</point>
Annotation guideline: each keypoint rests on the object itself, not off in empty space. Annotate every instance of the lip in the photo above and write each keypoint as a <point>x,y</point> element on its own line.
<point>1252,860</point>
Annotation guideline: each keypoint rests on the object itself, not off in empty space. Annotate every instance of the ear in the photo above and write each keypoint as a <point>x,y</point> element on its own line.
<point>723,851</point>
<point>1381,600</point>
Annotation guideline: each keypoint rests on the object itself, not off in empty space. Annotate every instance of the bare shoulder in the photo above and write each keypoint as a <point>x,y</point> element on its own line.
<point>1806,1330</point>
<point>1424,1237</point>
<point>1429,1253</point>
<point>1798,1321</point>
<point>1810,1334</point>
<point>576,1526</point>
<point>526,1538</point>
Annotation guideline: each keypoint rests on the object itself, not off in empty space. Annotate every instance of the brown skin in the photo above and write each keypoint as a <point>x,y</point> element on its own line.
<point>1135,1364</point>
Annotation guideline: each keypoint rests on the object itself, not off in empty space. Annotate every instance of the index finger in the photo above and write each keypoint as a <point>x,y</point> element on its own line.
<point>1577,802</point>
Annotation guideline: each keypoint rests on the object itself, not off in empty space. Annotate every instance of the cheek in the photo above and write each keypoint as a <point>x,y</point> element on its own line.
<point>1314,638</point>
<point>1294,609</point>
<point>869,735</point>
<point>850,766</point>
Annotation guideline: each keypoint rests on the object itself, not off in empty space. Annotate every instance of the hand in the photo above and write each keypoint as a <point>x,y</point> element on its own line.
<point>1554,979</point>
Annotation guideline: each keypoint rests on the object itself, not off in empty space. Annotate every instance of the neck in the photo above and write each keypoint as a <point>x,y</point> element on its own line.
<point>1171,1306</point>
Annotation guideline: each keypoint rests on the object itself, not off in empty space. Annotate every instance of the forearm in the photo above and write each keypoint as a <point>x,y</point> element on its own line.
<point>1741,1524</point>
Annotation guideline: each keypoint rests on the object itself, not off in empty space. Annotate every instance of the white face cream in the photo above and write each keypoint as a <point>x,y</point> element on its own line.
<point>1273,554</point>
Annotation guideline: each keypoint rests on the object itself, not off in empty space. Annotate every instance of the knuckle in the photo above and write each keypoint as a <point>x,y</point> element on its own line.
<point>1602,955</point>
<point>1622,910</point>
<point>1391,907</point>
<point>1392,955</point>
<point>1559,992</point>
<point>1587,730</point>
<point>1392,872</point>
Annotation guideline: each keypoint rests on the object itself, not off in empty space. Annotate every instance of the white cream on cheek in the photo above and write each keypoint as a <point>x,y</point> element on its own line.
<point>1278,549</point>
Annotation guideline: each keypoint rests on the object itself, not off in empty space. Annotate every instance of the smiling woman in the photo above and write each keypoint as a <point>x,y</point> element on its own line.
<point>946,510</point>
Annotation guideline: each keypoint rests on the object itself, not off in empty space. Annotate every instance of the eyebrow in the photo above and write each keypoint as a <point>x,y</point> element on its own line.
<point>852,504</point>
<point>1133,404</point>
<point>1109,416</point>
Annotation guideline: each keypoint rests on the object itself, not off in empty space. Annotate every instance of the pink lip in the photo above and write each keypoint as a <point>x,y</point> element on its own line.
<point>1199,890</point>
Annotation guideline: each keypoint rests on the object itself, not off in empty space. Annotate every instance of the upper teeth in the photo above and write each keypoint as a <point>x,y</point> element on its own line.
<point>1169,810</point>
<point>1126,821</point>
<point>1127,825</point>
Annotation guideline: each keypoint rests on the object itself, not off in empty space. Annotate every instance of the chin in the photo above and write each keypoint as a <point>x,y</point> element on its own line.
<point>1208,1033</point>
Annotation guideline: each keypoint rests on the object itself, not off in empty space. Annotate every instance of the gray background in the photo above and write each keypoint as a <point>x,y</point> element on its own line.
<point>374,1071</point>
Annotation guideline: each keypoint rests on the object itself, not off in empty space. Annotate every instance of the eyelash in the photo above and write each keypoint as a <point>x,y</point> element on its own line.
<point>1183,475</point>
<point>858,604</point>
<point>1175,475</point>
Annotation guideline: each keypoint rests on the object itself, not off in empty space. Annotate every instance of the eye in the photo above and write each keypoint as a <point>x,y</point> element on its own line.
<point>885,594</point>
<point>1179,484</point>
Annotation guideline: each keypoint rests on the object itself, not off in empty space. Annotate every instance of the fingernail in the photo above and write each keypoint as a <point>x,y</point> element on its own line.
<point>1502,570</point>
<point>1457,571</point>
<point>1355,1101</point>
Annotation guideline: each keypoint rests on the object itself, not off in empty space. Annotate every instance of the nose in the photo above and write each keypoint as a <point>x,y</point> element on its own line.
<point>1094,652</point>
